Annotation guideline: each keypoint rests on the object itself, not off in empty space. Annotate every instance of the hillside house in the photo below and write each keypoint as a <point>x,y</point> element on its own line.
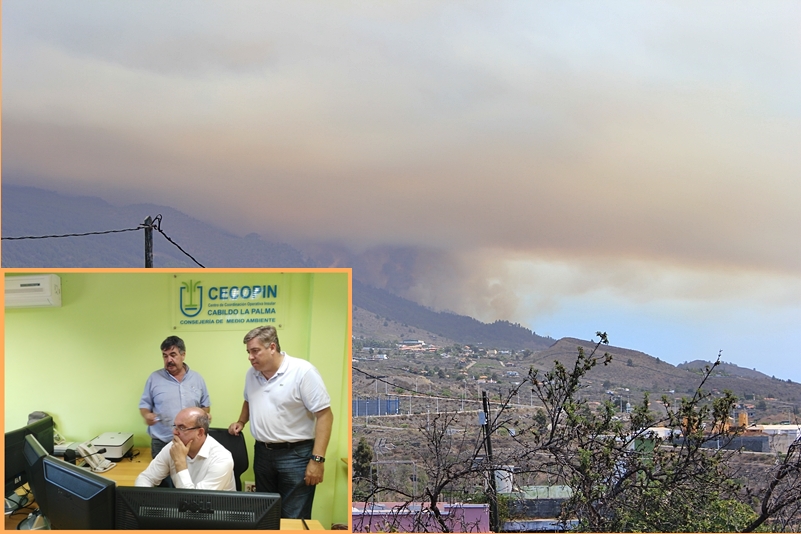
<point>775,430</point>
<point>416,345</point>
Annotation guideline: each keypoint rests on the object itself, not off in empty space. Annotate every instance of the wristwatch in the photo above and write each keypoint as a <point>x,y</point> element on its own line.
<point>318,459</point>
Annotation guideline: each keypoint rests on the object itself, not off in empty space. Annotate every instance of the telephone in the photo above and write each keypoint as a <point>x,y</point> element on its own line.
<point>96,461</point>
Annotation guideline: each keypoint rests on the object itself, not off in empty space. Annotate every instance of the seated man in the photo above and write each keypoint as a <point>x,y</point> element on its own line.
<point>193,459</point>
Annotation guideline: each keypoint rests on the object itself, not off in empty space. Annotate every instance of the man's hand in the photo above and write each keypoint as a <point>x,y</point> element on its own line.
<point>178,453</point>
<point>314,473</point>
<point>151,419</point>
<point>235,428</point>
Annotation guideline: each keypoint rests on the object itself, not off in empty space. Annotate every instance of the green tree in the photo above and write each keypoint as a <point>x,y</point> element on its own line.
<point>626,478</point>
<point>364,479</point>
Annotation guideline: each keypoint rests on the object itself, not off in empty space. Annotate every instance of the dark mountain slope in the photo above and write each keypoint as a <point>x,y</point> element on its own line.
<point>35,212</point>
<point>465,330</point>
<point>640,372</point>
<point>28,211</point>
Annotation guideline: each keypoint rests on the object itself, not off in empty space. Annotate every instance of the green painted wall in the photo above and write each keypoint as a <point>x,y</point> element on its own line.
<point>86,362</point>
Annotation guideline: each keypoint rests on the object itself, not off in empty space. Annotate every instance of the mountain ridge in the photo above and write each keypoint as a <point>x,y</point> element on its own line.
<point>211,246</point>
<point>63,214</point>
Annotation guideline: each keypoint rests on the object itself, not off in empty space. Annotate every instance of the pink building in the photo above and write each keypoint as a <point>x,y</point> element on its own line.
<point>402,517</point>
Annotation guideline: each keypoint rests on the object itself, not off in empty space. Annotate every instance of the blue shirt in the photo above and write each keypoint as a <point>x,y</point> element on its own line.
<point>165,396</point>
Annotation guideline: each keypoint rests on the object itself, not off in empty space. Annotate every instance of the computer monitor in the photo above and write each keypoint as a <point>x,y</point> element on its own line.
<point>34,455</point>
<point>16,475</point>
<point>141,508</point>
<point>43,430</point>
<point>76,497</point>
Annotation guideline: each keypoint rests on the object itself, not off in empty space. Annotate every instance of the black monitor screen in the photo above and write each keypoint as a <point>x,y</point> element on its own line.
<point>172,508</point>
<point>16,474</point>
<point>34,455</point>
<point>15,461</point>
<point>43,430</point>
<point>76,497</point>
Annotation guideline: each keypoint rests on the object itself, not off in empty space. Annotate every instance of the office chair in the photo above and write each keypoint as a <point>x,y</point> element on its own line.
<point>236,446</point>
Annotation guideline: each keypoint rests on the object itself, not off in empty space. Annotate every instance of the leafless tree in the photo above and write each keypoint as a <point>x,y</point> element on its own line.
<point>780,503</point>
<point>623,476</point>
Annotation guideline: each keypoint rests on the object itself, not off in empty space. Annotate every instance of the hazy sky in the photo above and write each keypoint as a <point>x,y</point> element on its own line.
<point>573,166</point>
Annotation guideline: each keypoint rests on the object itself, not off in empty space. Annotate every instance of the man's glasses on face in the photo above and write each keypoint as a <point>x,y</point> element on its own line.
<point>182,428</point>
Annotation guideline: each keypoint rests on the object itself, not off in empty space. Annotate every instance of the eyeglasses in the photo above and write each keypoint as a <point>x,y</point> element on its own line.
<point>184,429</point>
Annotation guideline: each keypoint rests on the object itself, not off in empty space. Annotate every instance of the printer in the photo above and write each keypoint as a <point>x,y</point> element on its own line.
<point>117,444</point>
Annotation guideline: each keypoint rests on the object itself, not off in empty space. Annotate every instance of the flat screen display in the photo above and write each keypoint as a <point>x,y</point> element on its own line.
<point>174,508</point>
<point>76,497</point>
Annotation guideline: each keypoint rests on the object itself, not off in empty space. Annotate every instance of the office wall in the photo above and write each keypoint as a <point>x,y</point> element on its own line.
<point>86,362</point>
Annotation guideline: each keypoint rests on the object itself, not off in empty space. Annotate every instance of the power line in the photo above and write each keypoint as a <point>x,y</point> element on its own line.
<point>386,382</point>
<point>157,226</point>
<point>71,235</point>
<point>418,393</point>
<point>155,223</point>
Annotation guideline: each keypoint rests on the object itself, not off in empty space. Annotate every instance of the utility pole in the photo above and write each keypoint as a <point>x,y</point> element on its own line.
<point>149,242</point>
<point>493,492</point>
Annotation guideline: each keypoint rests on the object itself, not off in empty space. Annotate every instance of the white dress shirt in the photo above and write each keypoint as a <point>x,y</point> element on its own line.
<point>212,468</point>
<point>282,408</point>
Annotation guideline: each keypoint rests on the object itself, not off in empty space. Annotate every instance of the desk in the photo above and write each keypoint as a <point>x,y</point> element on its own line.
<point>125,473</point>
<point>286,524</point>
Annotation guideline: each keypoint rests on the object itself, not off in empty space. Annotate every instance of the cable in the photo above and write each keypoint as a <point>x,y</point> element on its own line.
<point>157,225</point>
<point>71,235</point>
<point>418,393</point>
<point>384,381</point>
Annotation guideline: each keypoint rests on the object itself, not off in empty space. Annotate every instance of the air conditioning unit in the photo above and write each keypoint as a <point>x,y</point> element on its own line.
<point>33,290</point>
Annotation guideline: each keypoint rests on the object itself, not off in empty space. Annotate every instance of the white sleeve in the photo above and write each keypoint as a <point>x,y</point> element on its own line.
<point>158,470</point>
<point>312,390</point>
<point>219,473</point>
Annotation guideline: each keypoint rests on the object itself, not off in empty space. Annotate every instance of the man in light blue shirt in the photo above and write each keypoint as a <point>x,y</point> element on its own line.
<point>168,391</point>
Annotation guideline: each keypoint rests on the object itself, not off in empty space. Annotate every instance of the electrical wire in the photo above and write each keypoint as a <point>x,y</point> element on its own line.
<point>156,224</point>
<point>140,227</point>
<point>368,375</point>
<point>418,393</point>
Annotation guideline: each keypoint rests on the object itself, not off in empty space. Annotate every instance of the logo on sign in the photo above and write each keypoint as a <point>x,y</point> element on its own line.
<point>191,298</point>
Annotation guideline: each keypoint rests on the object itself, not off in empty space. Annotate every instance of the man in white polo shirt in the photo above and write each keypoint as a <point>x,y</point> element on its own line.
<point>290,417</point>
<point>193,459</point>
